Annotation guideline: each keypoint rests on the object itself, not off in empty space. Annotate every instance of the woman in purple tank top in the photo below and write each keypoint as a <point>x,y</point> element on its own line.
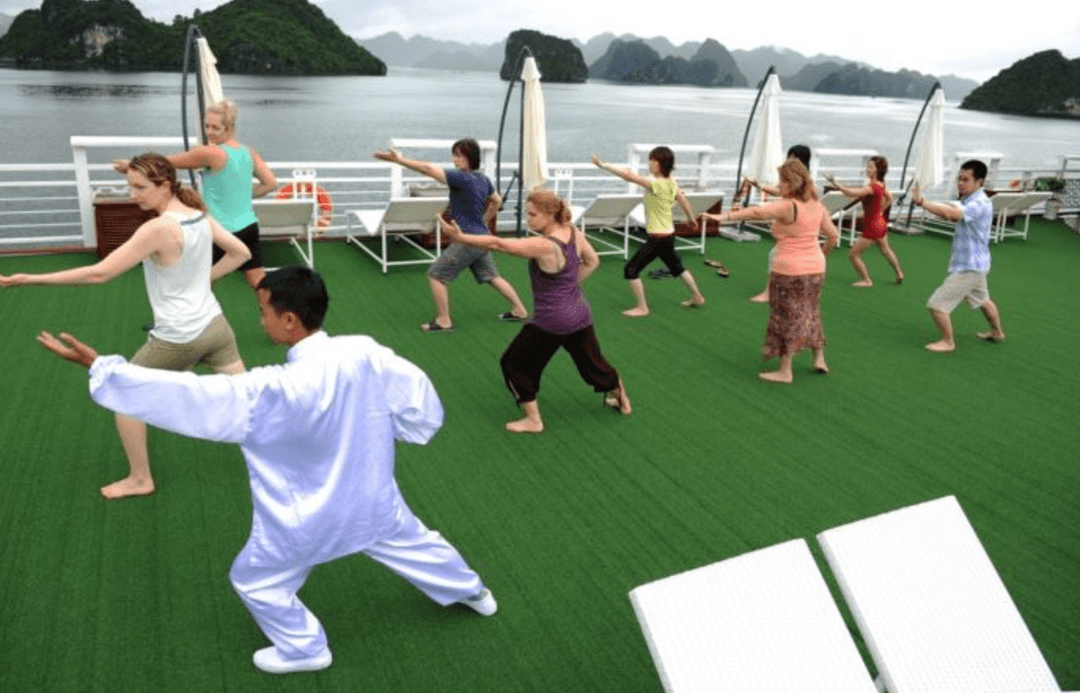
<point>560,259</point>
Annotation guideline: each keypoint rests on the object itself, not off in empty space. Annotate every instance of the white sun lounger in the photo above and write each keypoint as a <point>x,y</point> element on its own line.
<point>403,216</point>
<point>288,218</point>
<point>761,622</point>
<point>608,213</point>
<point>1021,205</point>
<point>932,610</point>
<point>699,202</point>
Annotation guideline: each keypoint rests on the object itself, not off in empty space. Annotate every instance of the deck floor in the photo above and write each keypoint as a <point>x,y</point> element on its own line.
<point>134,595</point>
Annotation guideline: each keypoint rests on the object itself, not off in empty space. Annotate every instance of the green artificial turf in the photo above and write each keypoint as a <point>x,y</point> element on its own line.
<point>134,595</point>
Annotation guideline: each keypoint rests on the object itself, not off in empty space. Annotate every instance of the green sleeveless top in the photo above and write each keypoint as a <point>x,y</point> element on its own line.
<point>228,192</point>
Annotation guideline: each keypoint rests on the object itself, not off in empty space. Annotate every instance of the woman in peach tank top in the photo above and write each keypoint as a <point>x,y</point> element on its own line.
<point>798,271</point>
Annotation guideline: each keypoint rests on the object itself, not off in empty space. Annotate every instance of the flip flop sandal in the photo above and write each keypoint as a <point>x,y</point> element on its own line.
<point>435,327</point>
<point>509,316</point>
<point>719,267</point>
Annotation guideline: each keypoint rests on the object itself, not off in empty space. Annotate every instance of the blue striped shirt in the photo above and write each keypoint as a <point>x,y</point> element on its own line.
<point>971,239</point>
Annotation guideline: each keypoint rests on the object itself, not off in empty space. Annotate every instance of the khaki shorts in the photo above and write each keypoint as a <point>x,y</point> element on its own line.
<point>959,286</point>
<point>215,346</point>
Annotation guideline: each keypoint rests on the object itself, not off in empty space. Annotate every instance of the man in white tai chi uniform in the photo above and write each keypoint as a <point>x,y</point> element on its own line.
<point>318,435</point>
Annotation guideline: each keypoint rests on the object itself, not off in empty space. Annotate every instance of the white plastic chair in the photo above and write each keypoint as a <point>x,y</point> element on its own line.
<point>608,213</point>
<point>292,218</point>
<point>761,622</point>
<point>412,215</point>
<point>932,610</point>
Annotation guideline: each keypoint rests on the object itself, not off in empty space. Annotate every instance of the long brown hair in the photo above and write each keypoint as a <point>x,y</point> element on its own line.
<point>881,166</point>
<point>158,170</point>
<point>550,203</point>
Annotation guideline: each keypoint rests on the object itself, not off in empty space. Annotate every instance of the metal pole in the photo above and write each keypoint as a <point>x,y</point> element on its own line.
<point>183,92</point>
<point>515,76</point>
<point>911,143</point>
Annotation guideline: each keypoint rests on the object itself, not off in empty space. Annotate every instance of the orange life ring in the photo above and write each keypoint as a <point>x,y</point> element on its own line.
<point>322,198</point>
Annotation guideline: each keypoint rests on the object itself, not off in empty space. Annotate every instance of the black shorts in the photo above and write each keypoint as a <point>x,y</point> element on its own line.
<point>250,237</point>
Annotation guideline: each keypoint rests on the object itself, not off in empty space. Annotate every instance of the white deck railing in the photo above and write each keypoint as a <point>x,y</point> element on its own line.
<point>52,205</point>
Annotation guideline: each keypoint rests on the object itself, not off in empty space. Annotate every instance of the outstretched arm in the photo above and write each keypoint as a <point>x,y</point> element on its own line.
<point>428,169</point>
<point>624,173</point>
<point>145,241</point>
<point>945,211</point>
<point>532,247</point>
<point>680,198</point>
<point>861,191</point>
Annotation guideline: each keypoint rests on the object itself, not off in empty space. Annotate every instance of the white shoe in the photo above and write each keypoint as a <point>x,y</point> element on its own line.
<point>483,602</point>
<point>270,660</point>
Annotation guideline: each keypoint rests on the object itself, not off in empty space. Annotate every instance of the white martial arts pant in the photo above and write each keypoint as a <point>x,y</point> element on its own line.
<point>414,552</point>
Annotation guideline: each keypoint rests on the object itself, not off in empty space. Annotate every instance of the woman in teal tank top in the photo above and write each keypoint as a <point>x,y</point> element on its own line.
<point>228,168</point>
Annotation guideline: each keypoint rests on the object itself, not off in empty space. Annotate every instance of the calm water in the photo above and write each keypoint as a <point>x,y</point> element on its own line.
<point>346,118</point>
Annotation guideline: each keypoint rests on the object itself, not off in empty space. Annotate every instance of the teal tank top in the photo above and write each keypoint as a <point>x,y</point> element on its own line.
<point>228,192</point>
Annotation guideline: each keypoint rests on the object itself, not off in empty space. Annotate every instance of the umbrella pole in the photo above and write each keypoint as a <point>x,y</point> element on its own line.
<point>183,90</point>
<point>514,77</point>
<point>911,143</point>
<point>746,135</point>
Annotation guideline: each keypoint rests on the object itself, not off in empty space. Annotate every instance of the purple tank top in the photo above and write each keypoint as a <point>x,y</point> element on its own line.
<point>559,307</point>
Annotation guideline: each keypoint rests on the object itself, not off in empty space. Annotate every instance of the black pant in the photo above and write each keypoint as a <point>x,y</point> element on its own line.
<point>525,359</point>
<point>662,247</point>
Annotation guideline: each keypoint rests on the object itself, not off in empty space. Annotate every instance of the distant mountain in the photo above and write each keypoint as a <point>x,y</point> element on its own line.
<point>755,63</point>
<point>637,62</point>
<point>5,22</point>
<point>797,72</point>
<point>421,51</point>
<point>278,37</point>
<point>1043,84</point>
<point>558,59</point>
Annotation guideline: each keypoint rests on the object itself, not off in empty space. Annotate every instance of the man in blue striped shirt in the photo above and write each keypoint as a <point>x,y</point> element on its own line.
<point>969,262</point>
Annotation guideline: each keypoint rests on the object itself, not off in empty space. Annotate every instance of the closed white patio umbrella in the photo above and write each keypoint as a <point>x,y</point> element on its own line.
<point>930,167</point>
<point>767,152</point>
<point>534,129</point>
<point>208,75</point>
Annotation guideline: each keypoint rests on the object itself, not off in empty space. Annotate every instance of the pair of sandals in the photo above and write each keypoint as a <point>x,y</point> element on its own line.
<point>433,326</point>
<point>719,267</point>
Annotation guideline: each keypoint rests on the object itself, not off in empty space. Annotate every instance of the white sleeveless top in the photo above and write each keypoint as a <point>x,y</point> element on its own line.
<point>180,294</point>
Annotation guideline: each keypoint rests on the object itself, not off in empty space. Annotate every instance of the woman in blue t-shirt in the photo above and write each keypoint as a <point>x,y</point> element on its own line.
<point>474,202</point>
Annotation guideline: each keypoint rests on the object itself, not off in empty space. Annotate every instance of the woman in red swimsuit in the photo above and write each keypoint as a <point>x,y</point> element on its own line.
<point>876,198</point>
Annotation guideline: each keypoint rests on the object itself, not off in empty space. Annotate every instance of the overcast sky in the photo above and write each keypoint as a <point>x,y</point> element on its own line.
<point>973,40</point>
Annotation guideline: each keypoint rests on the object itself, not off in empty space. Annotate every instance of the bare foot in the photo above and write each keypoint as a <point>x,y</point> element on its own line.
<point>941,346</point>
<point>618,400</point>
<point>862,284</point>
<point>899,279</point>
<point>776,377</point>
<point>128,487</point>
<point>636,312</point>
<point>991,336</point>
<point>821,367</point>
<point>763,297</point>
<point>693,302</point>
<point>525,425</point>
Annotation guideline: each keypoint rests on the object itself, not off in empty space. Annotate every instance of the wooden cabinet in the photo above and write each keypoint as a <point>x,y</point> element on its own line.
<point>115,220</point>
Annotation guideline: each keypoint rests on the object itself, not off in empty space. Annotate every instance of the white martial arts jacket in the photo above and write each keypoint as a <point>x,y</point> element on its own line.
<point>317,433</point>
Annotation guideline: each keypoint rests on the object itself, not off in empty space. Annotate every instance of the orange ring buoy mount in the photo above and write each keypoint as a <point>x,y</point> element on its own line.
<point>322,198</point>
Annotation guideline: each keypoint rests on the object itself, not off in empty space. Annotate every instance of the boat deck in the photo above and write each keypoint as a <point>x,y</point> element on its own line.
<point>134,596</point>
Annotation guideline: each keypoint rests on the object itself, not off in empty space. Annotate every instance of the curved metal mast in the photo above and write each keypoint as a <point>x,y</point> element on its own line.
<point>515,76</point>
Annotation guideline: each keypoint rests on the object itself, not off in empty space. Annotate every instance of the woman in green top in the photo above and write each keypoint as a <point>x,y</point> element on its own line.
<point>228,168</point>
<point>661,193</point>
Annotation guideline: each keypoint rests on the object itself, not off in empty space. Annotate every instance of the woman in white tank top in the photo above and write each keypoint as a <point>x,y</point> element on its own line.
<point>189,327</point>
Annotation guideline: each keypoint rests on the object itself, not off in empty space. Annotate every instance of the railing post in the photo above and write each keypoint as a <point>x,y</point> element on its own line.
<point>86,202</point>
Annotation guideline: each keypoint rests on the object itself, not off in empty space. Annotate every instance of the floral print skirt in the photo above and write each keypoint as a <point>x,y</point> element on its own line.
<point>795,320</point>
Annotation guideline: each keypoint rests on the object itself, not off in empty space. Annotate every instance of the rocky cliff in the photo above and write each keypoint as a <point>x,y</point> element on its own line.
<point>637,62</point>
<point>1044,84</point>
<point>284,37</point>
<point>559,59</point>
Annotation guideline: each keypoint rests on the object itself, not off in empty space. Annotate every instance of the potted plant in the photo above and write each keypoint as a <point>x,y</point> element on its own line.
<point>1054,185</point>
